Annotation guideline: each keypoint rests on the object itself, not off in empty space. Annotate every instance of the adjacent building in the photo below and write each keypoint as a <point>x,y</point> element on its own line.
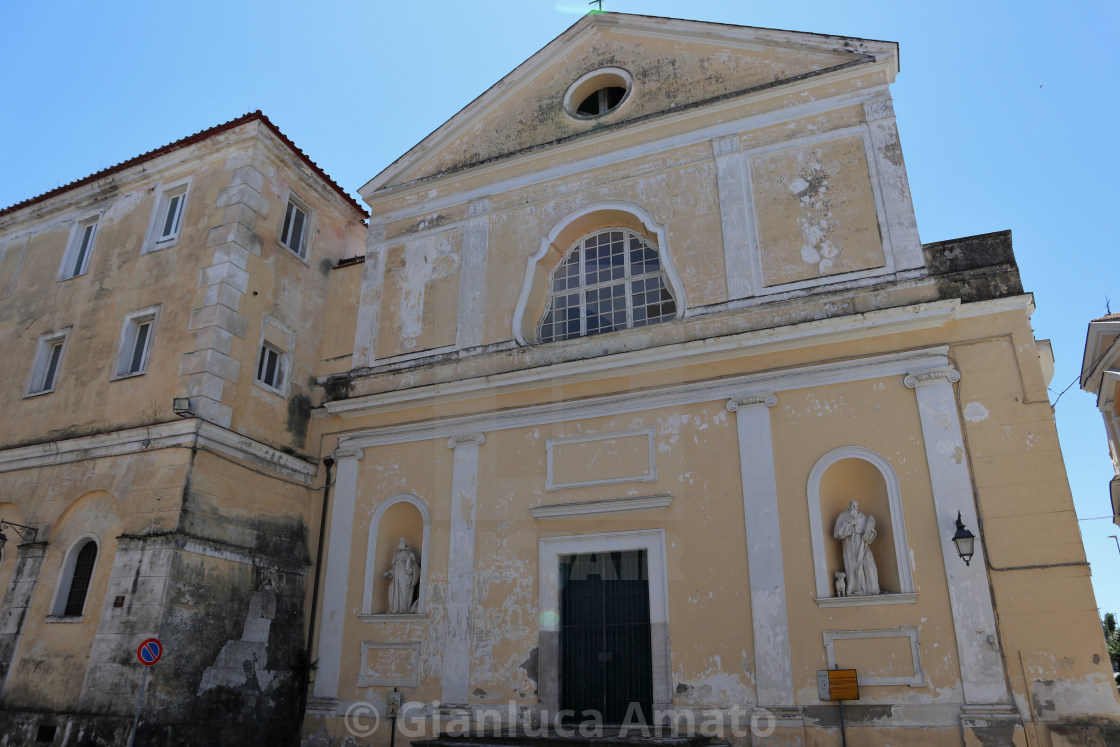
<point>635,396</point>
<point>1100,374</point>
<point>197,271</point>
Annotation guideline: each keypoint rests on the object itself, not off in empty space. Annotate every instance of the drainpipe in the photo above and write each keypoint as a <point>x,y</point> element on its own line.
<point>328,462</point>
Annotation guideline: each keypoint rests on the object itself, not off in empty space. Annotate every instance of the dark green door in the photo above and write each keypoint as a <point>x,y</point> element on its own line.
<point>605,660</point>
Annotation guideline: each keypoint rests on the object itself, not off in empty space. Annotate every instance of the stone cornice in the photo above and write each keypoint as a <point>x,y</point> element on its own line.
<point>601,507</point>
<point>759,385</point>
<point>176,434</point>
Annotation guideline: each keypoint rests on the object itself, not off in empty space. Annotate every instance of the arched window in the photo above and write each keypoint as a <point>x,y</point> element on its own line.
<point>609,279</point>
<point>77,572</point>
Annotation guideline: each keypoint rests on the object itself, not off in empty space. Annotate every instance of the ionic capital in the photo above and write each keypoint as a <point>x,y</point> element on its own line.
<point>466,438</point>
<point>768,399</point>
<point>725,145</point>
<point>878,109</point>
<point>347,452</point>
<point>932,376</point>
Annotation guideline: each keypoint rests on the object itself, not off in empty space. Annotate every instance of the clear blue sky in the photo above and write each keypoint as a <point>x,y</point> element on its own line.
<point>1008,113</point>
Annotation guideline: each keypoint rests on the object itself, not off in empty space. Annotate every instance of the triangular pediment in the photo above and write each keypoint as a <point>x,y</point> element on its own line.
<point>672,64</point>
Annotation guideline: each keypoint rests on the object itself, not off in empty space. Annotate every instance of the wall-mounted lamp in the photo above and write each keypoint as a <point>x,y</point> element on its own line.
<point>964,540</point>
<point>26,533</point>
<point>182,406</point>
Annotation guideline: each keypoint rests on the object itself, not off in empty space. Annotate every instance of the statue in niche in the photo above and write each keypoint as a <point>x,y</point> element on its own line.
<point>404,572</point>
<point>841,584</point>
<point>856,531</point>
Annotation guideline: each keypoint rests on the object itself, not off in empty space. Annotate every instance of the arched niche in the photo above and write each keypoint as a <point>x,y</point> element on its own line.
<point>858,473</point>
<point>553,247</point>
<point>401,515</point>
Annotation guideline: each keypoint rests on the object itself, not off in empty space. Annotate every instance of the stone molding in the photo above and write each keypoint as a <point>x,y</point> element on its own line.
<point>877,109</point>
<point>933,376</point>
<point>478,207</point>
<point>579,509</point>
<point>861,369</point>
<point>466,438</point>
<point>725,145</point>
<point>348,452</point>
<point>769,399</point>
<point>918,679</point>
<point>176,434</point>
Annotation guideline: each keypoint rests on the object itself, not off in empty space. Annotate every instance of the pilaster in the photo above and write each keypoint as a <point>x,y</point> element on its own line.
<point>369,302</point>
<point>472,273</point>
<point>893,184</point>
<point>773,668</point>
<point>455,675</point>
<point>982,675</point>
<point>337,572</point>
<point>736,216</point>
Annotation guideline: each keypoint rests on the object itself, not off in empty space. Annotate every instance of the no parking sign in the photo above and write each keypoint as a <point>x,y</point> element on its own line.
<point>150,652</point>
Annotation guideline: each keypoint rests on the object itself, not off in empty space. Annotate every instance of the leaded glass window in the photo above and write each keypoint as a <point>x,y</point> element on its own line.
<point>610,279</point>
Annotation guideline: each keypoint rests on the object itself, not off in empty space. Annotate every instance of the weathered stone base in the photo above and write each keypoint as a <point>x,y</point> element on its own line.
<point>80,729</point>
<point>1087,735</point>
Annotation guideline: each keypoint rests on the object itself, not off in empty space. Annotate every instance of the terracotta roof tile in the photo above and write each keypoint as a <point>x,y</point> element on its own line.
<point>188,141</point>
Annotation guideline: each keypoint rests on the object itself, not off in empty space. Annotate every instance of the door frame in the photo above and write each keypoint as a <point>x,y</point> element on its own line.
<point>551,548</point>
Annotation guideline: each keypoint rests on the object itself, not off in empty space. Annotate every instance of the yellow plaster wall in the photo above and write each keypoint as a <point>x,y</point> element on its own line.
<point>52,650</point>
<point>816,211</point>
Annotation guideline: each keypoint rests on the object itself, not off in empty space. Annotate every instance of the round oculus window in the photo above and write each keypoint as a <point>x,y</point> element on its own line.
<point>598,93</point>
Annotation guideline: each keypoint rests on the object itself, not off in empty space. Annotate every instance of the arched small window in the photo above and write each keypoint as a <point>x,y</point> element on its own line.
<point>77,572</point>
<point>609,279</point>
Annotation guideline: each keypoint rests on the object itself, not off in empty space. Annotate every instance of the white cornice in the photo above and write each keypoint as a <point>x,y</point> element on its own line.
<point>762,384</point>
<point>756,342</point>
<point>1095,360</point>
<point>581,509</point>
<point>572,164</point>
<point>178,434</point>
<point>876,52</point>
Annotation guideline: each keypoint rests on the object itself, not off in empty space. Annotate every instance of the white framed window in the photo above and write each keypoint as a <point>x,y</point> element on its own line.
<point>609,279</point>
<point>295,229</point>
<point>75,578</point>
<point>48,361</point>
<point>78,250</point>
<point>274,356</point>
<point>167,217</point>
<point>270,367</point>
<point>136,343</point>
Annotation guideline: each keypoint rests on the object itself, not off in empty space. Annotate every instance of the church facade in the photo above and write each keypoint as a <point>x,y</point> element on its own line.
<point>653,378</point>
<point>635,398</point>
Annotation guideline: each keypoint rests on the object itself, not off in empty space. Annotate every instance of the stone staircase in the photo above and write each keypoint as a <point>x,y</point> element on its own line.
<point>604,736</point>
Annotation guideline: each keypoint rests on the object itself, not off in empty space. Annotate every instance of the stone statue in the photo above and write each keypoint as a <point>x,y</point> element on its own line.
<point>404,570</point>
<point>841,584</point>
<point>857,531</point>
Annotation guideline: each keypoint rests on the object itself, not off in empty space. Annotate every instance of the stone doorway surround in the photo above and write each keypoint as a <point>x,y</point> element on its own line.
<point>551,548</point>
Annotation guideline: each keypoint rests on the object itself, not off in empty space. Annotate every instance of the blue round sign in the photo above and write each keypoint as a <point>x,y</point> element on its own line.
<point>150,652</point>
